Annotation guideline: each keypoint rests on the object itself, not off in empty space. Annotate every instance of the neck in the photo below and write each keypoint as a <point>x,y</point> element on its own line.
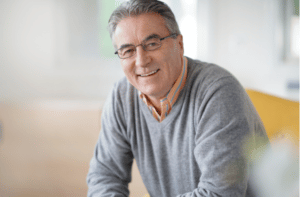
<point>156,103</point>
<point>155,100</point>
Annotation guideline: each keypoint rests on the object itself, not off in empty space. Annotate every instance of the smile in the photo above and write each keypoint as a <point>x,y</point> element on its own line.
<point>151,73</point>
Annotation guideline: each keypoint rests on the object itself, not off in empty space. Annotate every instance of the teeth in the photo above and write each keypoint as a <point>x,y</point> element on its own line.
<point>150,73</point>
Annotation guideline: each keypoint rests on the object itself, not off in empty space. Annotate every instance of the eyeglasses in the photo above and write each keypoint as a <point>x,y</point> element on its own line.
<point>150,44</point>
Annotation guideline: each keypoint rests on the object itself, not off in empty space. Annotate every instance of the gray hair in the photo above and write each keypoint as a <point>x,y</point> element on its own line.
<point>138,7</point>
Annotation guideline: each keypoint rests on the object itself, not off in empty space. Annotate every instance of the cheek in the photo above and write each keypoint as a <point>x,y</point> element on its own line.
<point>128,71</point>
<point>126,67</point>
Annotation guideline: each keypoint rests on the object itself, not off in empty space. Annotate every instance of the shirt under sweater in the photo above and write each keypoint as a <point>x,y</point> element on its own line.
<point>197,150</point>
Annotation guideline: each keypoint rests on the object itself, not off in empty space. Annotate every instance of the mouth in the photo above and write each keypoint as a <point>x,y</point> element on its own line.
<point>149,74</point>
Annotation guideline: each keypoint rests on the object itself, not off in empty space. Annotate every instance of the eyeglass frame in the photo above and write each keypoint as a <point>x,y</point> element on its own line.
<point>143,46</point>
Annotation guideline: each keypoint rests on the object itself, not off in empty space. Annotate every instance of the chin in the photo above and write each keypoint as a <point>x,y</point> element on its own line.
<point>155,94</point>
<point>154,90</point>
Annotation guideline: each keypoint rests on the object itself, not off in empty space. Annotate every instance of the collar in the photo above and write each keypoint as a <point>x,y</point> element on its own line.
<point>168,101</point>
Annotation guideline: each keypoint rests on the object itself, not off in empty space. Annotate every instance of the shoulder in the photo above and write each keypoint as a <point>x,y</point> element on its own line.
<point>206,73</point>
<point>214,89</point>
<point>123,88</point>
<point>205,78</point>
<point>122,91</point>
<point>121,95</point>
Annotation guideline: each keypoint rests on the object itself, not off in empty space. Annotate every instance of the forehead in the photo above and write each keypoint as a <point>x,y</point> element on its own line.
<point>132,30</point>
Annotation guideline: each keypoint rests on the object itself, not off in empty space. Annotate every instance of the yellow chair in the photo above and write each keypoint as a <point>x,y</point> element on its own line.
<point>280,116</point>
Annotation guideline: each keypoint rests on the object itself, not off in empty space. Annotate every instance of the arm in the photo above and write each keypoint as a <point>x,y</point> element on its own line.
<point>225,119</point>
<point>110,167</point>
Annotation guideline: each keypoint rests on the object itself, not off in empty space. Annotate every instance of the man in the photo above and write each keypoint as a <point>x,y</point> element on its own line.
<point>184,121</point>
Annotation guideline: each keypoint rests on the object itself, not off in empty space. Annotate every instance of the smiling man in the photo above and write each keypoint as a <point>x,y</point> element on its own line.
<point>184,121</point>
<point>158,61</point>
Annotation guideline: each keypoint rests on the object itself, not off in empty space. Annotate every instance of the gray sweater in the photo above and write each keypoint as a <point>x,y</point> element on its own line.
<point>196,151</point>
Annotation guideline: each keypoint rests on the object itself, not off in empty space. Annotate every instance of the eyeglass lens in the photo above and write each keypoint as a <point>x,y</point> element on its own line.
<point>148,45</point>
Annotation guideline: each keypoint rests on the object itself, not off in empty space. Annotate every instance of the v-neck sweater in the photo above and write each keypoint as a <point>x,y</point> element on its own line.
<point>197,150</point>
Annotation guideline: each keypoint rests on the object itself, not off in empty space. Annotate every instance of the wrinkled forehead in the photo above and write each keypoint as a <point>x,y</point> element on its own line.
<point>135,29</point>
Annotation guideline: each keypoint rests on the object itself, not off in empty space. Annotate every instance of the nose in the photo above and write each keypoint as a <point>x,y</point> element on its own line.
<point>142,58</point>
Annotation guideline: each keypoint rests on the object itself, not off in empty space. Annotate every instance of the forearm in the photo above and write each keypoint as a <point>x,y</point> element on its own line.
<point>104,182</point>
<point>225,123</point>
<point>225,177</point>
<point>200,192</point>
<point>110,167</point>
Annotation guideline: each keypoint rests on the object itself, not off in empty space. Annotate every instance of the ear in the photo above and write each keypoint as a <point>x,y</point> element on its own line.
<point>180,42</point>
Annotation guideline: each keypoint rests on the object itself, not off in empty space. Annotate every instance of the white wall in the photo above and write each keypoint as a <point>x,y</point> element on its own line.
<point>29,68</point>
<point>244,42</point>
<point>240,38</point>
<point>26,46</point>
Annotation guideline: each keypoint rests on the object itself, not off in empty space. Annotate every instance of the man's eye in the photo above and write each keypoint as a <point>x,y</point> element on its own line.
<point>152,44</point>
<point>129,51</point>
<point>126,51</point>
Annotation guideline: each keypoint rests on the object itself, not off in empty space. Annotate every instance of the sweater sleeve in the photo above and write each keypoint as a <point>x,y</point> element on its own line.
<point>224,122</point>
<point>110,167</point>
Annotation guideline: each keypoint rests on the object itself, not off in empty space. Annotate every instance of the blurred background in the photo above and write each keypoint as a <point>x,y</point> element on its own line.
<point>57,65</point>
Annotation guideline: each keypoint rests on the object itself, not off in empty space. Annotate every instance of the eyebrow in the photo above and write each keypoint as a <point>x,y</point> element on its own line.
<point>146,39</point>
<point>125,45</point>
<point>150,37</point>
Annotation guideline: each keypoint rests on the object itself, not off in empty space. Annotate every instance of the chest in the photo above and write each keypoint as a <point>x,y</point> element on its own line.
<point>165,153</point>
